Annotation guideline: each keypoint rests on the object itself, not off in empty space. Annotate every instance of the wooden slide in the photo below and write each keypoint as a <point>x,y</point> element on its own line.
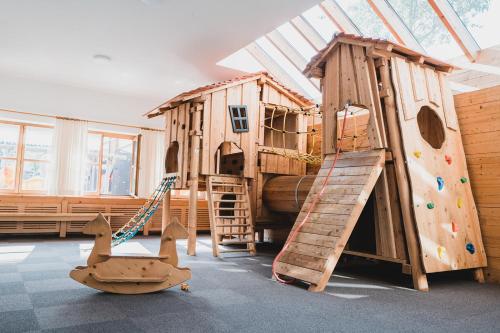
<point>313,254</point>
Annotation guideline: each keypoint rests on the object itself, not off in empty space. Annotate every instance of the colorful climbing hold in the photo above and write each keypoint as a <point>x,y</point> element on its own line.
<point>430,205</point>
<point>441,251</point>
<point>470,247</point>
<point>440,182</point>
<point>417,153</point>
<point>448,159</point>
<point>454,226</point>
<point>463,180</point>
<point>460,202</point>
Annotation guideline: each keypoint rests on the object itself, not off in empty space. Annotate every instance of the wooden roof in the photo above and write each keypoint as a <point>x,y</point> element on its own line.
<point>382,45</point>
<point>198,92</point>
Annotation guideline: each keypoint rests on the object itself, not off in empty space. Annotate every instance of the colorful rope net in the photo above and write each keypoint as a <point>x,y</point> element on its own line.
<point>284,112</point>
<point>144,214</point>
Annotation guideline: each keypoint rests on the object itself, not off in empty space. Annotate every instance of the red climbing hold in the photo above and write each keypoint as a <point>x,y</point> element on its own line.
<point>448,159</point>
<point>454,227</point>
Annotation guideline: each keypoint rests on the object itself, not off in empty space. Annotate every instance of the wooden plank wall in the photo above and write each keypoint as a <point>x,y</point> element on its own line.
<point>176,130</point>
<point>217,126</point>
<point>446,218</point>
<point>479,119</point>
<point>55,204</point>
<point>347,64</point>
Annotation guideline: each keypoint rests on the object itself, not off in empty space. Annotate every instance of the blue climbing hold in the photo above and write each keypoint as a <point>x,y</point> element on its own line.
<point>470,247</point>
<point>440,182</point>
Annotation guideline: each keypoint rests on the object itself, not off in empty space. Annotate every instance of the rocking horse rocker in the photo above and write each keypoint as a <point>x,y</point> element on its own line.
<point>133,274</point>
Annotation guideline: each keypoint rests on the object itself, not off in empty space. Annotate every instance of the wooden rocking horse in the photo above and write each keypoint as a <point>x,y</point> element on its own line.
<point>131,274</point>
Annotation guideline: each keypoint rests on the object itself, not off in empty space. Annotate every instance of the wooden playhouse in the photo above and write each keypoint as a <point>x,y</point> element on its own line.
<point>228,139</point>
<point>412,173</point>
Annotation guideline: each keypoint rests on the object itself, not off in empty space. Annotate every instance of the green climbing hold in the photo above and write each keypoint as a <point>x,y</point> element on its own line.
<point>430,205</point>
<point>463,180</point>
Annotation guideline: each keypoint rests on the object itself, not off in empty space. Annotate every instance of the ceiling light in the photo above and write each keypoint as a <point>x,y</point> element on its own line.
<point>102,58</point>
<point>152,2</point>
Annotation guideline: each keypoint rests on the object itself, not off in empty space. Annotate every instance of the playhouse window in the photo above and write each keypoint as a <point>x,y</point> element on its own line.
<point>239,118</point>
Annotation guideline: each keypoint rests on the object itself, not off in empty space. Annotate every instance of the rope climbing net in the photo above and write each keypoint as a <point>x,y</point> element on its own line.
<point>144,214</point>
<point>353,114</point>
<point>284,113</point>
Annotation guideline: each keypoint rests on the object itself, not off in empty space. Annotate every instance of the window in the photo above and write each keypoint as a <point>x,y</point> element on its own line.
<point>239,118</point>
<point>110,164</point>
<point>24,157</point>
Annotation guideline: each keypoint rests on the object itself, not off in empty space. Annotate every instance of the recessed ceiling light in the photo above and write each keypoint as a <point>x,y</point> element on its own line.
<point>101,58</point>
<point>152,2</point>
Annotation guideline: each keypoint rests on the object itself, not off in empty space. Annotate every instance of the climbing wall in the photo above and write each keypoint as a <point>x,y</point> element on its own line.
<point>445,213</point>
<point>313,254</point>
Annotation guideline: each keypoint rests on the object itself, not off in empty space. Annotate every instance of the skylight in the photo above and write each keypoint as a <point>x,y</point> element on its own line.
<point>318,19</point>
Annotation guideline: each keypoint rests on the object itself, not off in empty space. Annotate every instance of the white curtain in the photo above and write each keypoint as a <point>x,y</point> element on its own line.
<point>151,164</point>
<point>69,157</point>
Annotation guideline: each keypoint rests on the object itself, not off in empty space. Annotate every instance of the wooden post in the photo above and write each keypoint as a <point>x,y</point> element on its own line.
<point>418,274</point>
<point>195,134</point>
<point>165,213</point>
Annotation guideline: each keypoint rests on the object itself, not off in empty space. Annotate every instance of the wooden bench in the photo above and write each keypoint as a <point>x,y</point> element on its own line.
<point>46,222</point>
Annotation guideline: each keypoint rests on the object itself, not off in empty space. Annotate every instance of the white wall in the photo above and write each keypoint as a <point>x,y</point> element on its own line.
<point>28,95</point>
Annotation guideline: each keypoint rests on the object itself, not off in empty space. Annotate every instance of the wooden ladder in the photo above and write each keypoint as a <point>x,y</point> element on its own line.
<point>230,214</point>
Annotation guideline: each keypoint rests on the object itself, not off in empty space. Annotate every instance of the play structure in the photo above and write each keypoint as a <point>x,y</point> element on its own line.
<point>228,139</point>
<point>133,274</point>
<point>408,188</point>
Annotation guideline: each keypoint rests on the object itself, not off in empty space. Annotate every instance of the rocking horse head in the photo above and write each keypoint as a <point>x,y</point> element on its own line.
<point>97,226</point>
<point>175,230</point>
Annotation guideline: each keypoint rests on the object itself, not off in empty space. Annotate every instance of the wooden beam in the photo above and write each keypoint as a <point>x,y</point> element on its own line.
<point>395,24</point>
<point>308,32</point>
<point>278,40</point>
<point>338,16</point>
<point>274,68</point>
<point>418,274</point>
<point>290,52</point>
<point>194,169</point>
<point>456,27</point>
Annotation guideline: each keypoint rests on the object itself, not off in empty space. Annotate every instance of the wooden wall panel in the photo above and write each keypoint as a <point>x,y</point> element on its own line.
<point>56,204</point>
<point>479,119</point>
<point>330,103</point>
<point>205,139</point>
<point>446,219</point>
<point>250,98</point>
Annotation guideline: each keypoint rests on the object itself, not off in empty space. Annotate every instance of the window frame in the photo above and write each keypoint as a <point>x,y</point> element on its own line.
<point>133,166</point>
<point>239,118</point>
<point>20,160</point>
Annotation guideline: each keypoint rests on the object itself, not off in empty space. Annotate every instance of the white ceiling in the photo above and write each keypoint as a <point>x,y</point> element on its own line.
<point>158,48</point>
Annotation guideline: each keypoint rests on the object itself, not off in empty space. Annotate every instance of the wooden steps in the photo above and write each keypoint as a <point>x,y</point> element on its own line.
<point>314,252</point>
<point>230,215</point>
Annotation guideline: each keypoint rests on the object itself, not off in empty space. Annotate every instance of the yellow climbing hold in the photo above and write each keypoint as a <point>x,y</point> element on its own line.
<point>417,153</point>
<point>441,251</point>
<point>460,202</point>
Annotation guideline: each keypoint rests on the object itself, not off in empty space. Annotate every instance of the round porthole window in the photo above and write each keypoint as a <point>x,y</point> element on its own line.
<point>431,127</point>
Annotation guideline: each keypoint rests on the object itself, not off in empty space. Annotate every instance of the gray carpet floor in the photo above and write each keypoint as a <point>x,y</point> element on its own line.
<point>233,294</point>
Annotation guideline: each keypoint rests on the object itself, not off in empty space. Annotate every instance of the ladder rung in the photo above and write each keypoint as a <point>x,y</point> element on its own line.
<point>231,217</point>
<point>233,225</point>
<point>230,208</point>
<point>229,200</point>
<point>226,184</point>
<point>235,233</point>
<point>225,192</point>
<point>234,250</point>
<point>235,242</point>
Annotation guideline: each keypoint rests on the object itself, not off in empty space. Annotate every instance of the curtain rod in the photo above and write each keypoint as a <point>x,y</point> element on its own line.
<point>90,121</point>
